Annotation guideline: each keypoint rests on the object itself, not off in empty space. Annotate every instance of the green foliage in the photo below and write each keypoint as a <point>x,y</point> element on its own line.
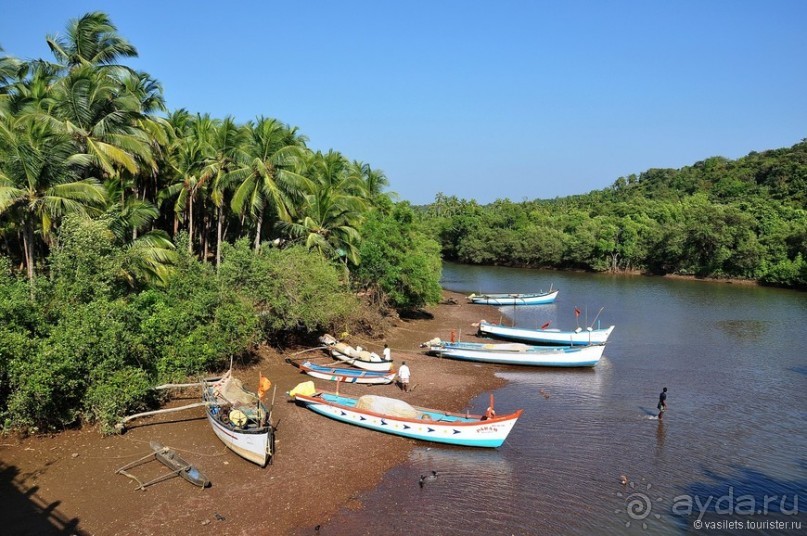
<point>717,218</point>
<point>399,261</point>
<point>292,289</point>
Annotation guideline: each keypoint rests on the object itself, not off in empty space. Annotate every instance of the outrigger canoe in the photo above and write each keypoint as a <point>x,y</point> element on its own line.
<point>517,353</point>
<point>546,336</point>
<point>536,298</point>
<point>239,418</point>
<point>347,374</point>
<point>394,416</point>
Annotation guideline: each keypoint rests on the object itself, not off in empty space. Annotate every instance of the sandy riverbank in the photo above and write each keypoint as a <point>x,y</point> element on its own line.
<point>66,484</point>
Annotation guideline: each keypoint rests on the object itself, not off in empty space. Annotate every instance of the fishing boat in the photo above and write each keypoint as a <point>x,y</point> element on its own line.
<point>347,374</point>
<point>517,353</point>
<point>546,336</point>
<point>356,357</point>
<point>536,298</point>
<point>171,459</point>
<point>239,418</point>
<point>394,416</point>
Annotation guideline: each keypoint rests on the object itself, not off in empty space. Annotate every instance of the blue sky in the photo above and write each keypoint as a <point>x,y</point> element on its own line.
<point>481,100</point>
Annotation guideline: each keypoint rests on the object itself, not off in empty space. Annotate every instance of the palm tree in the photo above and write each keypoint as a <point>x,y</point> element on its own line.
<point>227,144</point>
<point>267,173</point>
<point>328,223</point>
<point>90,40</point>
<point>39,179</point>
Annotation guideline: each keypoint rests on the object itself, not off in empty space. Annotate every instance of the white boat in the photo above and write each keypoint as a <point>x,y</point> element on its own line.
<point>536,298</point>
<point>347,374</point>
<point>546,336</point>
<point>517,353</point>
<point>394,416</point>
<point>239,418</point>
<point>356,357</point>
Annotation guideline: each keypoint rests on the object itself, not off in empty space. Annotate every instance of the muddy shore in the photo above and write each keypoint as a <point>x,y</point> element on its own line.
<point>66,483</point>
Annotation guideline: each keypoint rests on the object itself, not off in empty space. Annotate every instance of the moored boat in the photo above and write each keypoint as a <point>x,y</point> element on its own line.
<point>394,416</point>
<point>356,357</point>
<point>517,353</point>
<point>535,298</point>
<point>546,336</point>
<point>347,374</point>
<point>239,418</point>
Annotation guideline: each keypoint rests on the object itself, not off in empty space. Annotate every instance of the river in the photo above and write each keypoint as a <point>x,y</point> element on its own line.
<point>729,457</point>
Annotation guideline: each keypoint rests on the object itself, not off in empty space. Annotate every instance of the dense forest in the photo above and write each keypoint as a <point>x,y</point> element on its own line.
<point>140,245</point>
<point>719,218</point>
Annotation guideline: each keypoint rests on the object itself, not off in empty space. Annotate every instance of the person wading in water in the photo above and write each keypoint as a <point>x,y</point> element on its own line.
<point>662,403</point>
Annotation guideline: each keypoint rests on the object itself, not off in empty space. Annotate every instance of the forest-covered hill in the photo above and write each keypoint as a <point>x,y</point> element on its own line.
<point>721,218</point>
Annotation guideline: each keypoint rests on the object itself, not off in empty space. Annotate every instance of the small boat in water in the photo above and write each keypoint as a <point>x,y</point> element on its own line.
<point>394,416</point>
<point>517,353</point>
<point>347,374</point>
<point>546,336</point>
<point>536,298</point>
<point>356,357</point>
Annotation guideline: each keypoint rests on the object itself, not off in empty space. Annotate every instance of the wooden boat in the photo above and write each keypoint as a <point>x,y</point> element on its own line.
<point>546,336</point>
<point>536,298</point>
<point>356,357</point>
<point>171,459</point>
<point>517,353</point>
<point>347,374</point>
<point>239,418</point>
<point>394,416</point>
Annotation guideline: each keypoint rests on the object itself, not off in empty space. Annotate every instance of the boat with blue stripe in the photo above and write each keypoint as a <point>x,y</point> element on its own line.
<point>394,416</point>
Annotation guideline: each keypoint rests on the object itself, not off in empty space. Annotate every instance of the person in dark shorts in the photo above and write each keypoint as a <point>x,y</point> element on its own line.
<point>662,403</point>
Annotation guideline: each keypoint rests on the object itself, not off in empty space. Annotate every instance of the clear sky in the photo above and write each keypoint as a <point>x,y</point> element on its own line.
<point>481,100</point>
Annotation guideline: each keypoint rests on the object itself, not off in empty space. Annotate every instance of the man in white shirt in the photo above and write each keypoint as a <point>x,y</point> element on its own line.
<point>403,376</point>
<point>387,354</point>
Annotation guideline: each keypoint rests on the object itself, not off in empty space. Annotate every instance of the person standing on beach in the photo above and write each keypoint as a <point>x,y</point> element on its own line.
<point>662,403</point>
<point>387,353</point>
<point>403,377</point>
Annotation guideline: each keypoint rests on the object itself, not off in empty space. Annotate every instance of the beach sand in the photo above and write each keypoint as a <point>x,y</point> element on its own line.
<point>66,483</point>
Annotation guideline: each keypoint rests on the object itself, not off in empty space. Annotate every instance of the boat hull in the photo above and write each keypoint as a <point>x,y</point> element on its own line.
<point>377,366</point>
<point>451,429</point>
<point>547,337</point>
<point>514,299</point>
<point>345,375</point>
<point>535,356</point>
<point>252,439</point>
<point>254,447</point>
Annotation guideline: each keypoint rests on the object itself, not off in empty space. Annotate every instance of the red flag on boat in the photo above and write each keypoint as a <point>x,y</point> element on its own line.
<point>263,385</point>
<point>576,312</point>
<point>546,325</point>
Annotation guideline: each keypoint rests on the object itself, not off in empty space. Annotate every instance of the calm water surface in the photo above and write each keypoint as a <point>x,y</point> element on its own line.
<point>735,361</point>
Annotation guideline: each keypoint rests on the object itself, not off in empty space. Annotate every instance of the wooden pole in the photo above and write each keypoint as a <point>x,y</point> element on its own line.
<point>158,411</point>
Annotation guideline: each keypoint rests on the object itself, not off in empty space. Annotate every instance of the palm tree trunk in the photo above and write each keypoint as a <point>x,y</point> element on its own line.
<point>190,223</point>
<point>218,235</point>
<point>258,231</point>
<point>28,246</point>
<point>205,234</point>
